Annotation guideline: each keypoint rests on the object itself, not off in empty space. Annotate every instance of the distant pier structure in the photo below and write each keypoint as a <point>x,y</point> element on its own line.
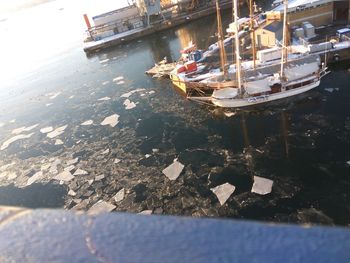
<point>143,17</point>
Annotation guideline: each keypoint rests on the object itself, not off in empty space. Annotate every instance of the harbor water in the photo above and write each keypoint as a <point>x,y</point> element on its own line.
<point>54,101</point>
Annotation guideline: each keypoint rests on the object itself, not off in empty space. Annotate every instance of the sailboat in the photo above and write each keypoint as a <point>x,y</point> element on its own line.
<point>270,83</point>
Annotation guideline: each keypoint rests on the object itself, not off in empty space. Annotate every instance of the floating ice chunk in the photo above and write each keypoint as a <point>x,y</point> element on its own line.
<point>22,129</point>
<point>72,193</point>
<point>69,168</point>
<point>111,120</point>
<point>80,172</point>
<point>90,181</point>
<point>121,82</point>
<point>147,155</point>
<point>99,177</point>
<point>155,150</point>
<point>35,177</point>
<point>71,97</point>
<point>229,114</point>
<point>174,170</point>
<point>151,92</point>
<point>120,195</point>
<point>348,162</point>
<point>329,89</point>
<point>101,207</point>
<point>262,186</point>
<point>48,104</point>
<point>73,161</point>
<point>12,121</point>
<point>146,212</point>
<point>58,142</point>
<point>46,129</point>
<point>11,176</point>
<point>57,132</point>
<point>127,95</point>
<point>55,95</point>
<point>117,161</point>
<point>87,123</point>
<point>223,192</point>
<point>104,99</point>
<point>129,104</point>
<point>15,138</point>
<point>65,176</point>
<point>105,83</point>
<point>118,78</point>
<point>105,151</point>
<point>104,61</point>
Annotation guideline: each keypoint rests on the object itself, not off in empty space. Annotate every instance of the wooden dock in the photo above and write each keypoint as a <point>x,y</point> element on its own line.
<point>95,46</point>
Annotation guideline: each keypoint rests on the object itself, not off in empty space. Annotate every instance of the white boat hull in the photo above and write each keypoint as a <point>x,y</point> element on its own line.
<point>245,102</point>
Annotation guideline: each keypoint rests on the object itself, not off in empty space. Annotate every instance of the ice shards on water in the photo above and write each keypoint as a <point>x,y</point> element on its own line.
<point>129,104</point>
<point>104,99</point>
<point>22,129</point>
<point>80,172</point>
<point>87,123</point>
<point>223,192</point>
<point>57,132</point>
<point>118,78</point>
<point>46,129</point>
<point>262,186</point>
<point>174,170</point>
<point>13,139</point>
<point>101,207</point>
<point>65,176</point>
<point>120,195</point>
<point>34,178</point>
<point>111,120</point>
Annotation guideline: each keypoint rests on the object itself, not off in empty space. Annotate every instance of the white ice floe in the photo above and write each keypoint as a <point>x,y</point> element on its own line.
<point>262,186</point>
<point>54,95</point>
<point>104,61</point>
<point>80,172</point>
<point>121,82</point>
<point>35,177</point>
<point>23,129</point>
<point>155,150</point>
<point>48,104</point>
<point>15,138</point>
<point>87,123</point>
<point>90,181</point>
<point>116,160</point>
<point>229,114</point>
<point>72,193</point>
<point>145,212</point>
<point>65,176</point>
<point>329,89</point>
<point>120,195</point>
<point>46,129</point>
<point>223,192</point>
<point>105,83</point>
<point>151,92</point>
<point>57,132</point>
<point>69,168</point>
<point>72,161</point>
<point>99,177</point>
<point>58,142</point>
<point>348,162</point>
<point>101,207</point>
<point>71,97</point>
<point>118,78</point>
<point>147,156</point>
<point>11,176</point>
<point>129,104</point>
<point>105,151</point>
<point>128,94</point>
<point>111,120</point>
<point>174,170</point>
<point>104,99</point>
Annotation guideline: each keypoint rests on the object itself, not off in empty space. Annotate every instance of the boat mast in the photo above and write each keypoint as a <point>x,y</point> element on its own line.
<point>284,42</point>
<point>221,42</point>
<point>252,29</point>
<point>238,57</point>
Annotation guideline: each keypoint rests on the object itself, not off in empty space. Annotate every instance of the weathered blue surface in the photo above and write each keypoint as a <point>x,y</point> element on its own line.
<point>61,236</point>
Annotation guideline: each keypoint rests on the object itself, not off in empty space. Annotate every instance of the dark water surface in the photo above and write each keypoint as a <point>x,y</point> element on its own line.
<point>302,144</point>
